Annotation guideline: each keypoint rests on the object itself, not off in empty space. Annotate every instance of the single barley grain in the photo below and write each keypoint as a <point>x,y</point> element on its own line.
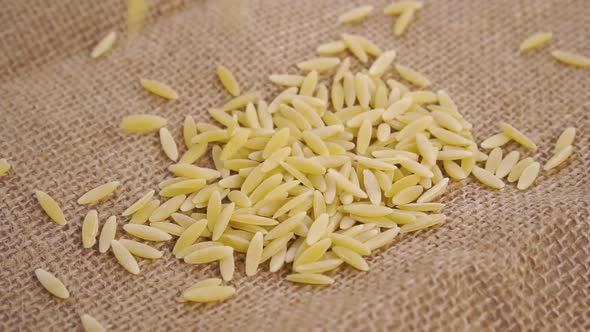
<point>275,246</point>
<point>183,187</point>
<point>355,47</point>
<point>241,101</point>
<point>320,266</point>
<point>209,294</point>
<point>124,257</point>
<point>446,120</point>
<point>168,227</point>
<point>277,261</point>
<point>364,137</point>
<point>235,143</point>
<point>208,254</point>
<point>516,171</point>
<point>566,138</point>
<point>98,193</point>
<point>108,233</point>
<point>528,176</point>
<point>189,130</point>
<point>434,192</point>
<point>317,229</point>
<point>105,45</point>
<point>141,249</point>
<point>383,238</point>
<point>309,84</point>
<point>397,8</point>
<point>254,254</point>
<point>412,76</point>
<point>487,178</point>
<point>368,46</point>
<point>240,199</point>
<point>537,40</point>
<point>142,123</point>
<point>4,167</point>
<point>449,137</point>
<point>355,15</point>
<point>140,203</point>
<point>167,208</point>
<point>516,135</point>
<point>194,172</point>
<point>137,11</point>
<point>345,184</point>
<point>159,89</point>
<point>454,170</point>
<point>331,48</point>
<point>221,224</point>
<point>90,229</point>
<point>351,258</point>
<point>194,247</point>
<point>495,141</point>
<point>319,64</point>
<point>143,214</point>
<point>494,160</point>
<point>362,89</point>
<point>382,63</point>
<point>310,278</point>
<point>431,220</point>
<point>397,108</point>
<point>168,144</point>
<point>90,324</point>
<point>350,243</point>
<point>228,80</point>
<point>407,195</point>
<point>287,80</point>
<point>403,21</point>
<point>310,254</point>
<point>571,59</point>
<point>559,157</point>
<point>52,284</point>
<point>147,233</point>
<point>227,267</point>
<point>51,208</point>
<point>507,164</point>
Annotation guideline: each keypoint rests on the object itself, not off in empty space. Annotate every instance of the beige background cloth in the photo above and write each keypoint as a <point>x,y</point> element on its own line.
<point>505,260</point>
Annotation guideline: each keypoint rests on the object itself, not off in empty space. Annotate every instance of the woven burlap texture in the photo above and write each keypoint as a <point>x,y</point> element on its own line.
<point>505,260</point>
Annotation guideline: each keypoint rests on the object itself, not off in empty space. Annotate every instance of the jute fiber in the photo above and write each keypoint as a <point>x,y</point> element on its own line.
<point>505,260</point>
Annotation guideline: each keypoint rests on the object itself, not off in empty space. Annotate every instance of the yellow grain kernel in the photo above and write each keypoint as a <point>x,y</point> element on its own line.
<point>228,80</point>
<point>124,257</point>
<point>98,193</point>
<point>159,89</point>
<point>397,8</point>
<point>566,138</point>
<point>412,76</point>
<point>105,45</point>
<point>518,136</point>
<point>52,284</point>
<point>51,208</point>
<point>355,47</point>
<point>559,157</point>
<point>537,40</point>
<point>310,278</point>
<point>355,15</point>
<point>319,64</point>
<point>90,229</point>
<point>528,176</point>
<point>571,59</point>
<point>487,178</point>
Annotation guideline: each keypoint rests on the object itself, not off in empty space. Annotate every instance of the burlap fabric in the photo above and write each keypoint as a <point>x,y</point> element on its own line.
<point>505,260</point>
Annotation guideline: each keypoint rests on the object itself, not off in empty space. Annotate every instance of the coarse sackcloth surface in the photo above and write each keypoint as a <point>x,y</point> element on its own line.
<point>505,260</point>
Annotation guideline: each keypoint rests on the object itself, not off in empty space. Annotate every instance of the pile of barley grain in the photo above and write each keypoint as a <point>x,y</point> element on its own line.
<point>335,167</point>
